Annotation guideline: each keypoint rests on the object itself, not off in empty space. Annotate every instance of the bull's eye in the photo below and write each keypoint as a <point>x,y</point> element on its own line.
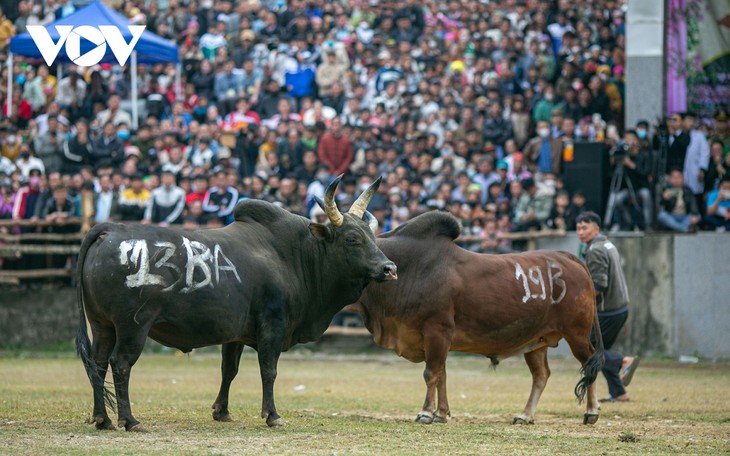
<point>352,240</point>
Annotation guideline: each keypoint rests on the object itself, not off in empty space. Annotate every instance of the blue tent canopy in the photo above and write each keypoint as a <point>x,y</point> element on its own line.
<point>150,48</point>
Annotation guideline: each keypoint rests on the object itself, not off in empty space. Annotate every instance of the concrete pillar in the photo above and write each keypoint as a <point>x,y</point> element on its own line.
<point>645,62</point>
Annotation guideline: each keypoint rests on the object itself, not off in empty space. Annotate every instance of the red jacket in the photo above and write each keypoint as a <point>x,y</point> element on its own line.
<point>335,152</point>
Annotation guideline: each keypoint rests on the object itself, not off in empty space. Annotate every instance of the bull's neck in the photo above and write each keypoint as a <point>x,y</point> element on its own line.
<point>328,283</point>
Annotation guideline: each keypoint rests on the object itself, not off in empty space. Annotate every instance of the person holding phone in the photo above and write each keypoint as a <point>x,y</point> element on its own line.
<point>718,206</point>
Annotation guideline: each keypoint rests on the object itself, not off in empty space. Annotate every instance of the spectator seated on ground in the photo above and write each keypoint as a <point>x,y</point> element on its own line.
<point>678,205</point>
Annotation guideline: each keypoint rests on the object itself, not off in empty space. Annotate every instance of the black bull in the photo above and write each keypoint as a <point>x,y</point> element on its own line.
<point>269,280</point>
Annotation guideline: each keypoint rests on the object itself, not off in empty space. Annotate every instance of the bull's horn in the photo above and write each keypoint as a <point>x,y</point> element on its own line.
<point>330,207</point>
<point>319,201</point>
<point>372,221</point>
<point>359,207</point>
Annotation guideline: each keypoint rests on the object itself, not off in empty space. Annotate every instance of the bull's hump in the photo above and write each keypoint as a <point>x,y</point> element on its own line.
<point>429,225</point>
<point>259,211</point>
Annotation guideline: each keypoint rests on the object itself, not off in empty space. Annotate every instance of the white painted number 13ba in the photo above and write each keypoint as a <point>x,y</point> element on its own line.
<point>100,37</point>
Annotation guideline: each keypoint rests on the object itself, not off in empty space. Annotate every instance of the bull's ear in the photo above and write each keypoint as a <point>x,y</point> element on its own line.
<point>319,231</point>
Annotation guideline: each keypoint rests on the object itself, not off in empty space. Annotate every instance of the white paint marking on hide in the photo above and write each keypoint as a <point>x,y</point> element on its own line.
<point>169,251</point>
<point>535,276</point>
<point>519,272</point>
<point>139,258</point>
<point>134,253</point>
<point>218,252</point>
<point>555,279</point>
<point>198,254</point>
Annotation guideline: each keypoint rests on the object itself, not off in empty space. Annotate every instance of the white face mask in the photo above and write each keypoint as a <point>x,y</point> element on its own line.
<point>543,132</point>
<point>549,96</point>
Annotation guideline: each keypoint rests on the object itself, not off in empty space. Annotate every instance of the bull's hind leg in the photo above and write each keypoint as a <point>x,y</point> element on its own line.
<point>125,355</point>
<point>101,349</point>
<point>538,364</point>
<point>268,360</point>
<point>272,327</point>
<point>229,369</point>
<point>588,357</point>
<point>436,352</point>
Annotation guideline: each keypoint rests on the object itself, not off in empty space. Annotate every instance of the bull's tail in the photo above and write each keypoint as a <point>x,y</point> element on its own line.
<point>593,366</point>
<point>589,371</point>
<point>83,344</point>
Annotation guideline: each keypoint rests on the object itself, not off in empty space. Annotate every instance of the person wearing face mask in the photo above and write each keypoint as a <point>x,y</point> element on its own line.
<point>28,196</point>
<point>546,105</point>
<point>642,132</point>
<point>27,161</point>
<point>611,90</point>
<point>544,153</point>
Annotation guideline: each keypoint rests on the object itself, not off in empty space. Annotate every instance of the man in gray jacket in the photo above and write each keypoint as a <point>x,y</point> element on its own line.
<point>612,298</point>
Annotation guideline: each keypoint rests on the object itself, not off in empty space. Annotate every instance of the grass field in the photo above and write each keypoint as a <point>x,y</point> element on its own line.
<point>361,404</point>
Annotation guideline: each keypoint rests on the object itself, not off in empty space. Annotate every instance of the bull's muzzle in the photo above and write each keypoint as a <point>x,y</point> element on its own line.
<point>388,272</point>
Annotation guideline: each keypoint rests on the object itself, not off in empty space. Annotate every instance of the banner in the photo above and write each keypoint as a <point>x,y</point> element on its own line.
<point>698,56</point>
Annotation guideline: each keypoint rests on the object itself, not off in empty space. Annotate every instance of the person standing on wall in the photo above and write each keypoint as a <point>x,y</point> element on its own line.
<point>612,298</point>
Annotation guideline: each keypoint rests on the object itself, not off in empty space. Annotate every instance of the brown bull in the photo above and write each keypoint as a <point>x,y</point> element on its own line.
<point>450,299</point>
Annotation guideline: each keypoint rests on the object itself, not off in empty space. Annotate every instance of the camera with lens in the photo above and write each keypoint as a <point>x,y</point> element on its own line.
<point>620,151</point>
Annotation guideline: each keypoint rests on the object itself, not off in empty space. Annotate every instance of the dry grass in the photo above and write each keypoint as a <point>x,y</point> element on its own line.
<point>361,405</point>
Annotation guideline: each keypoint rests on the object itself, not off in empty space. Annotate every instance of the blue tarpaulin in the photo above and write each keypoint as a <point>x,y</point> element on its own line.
<point>150,48</point>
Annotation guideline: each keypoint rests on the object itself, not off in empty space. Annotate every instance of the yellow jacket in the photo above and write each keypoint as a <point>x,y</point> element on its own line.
<point>7,30</point>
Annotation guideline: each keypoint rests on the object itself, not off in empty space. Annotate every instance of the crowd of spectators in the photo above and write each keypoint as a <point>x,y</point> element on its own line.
<point>467,106</point>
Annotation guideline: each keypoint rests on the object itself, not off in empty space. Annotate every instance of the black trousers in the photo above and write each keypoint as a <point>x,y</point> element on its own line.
<point>611,326</point>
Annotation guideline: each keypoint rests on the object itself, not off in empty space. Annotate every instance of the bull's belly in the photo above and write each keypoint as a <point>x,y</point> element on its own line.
<point>496,342</point>
<point>498,347</point>
<point>201,332</point>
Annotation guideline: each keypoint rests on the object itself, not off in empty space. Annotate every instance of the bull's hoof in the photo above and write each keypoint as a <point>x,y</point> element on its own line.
<point>523,420</point>
<point>223,417</point>
<point>440,419</point>
<point>277,422</point>
<point>131,426</point>
<point>137,428</point>
<point>103,423</point>
<point>221,414</point>
<point>424,418</point>
<point>590,418</point>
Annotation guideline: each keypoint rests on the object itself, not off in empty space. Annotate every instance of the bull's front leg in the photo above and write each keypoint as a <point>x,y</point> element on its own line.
<point>436,350</point>
<point>231,358</point>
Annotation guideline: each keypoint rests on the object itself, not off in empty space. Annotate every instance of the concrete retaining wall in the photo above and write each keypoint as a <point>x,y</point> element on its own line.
<point>38,317</point>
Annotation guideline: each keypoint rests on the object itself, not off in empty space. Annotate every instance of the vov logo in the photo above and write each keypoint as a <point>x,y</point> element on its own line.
<point>71,36</point>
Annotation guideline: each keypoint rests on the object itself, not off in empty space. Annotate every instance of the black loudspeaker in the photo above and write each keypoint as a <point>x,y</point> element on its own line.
<point>589,172</point>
